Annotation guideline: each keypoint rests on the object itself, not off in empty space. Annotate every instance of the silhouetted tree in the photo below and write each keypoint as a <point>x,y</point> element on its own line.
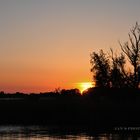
<point>100,68</point>
<point>132,50</point>
<point>108,73</point>
<point>70,92</point>
<point>117,74</point>
<point>2,92</point>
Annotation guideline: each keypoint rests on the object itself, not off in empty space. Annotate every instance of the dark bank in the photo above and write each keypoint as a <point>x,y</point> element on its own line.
<point>99,108</point>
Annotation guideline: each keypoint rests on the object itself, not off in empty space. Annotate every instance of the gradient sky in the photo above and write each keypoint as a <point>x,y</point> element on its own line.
<point>46,44</point>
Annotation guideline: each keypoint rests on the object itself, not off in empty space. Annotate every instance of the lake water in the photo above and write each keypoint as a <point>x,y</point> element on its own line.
<point>56,133</point>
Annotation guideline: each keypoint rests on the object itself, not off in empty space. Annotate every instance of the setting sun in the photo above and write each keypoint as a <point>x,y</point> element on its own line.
<point>85,85</point>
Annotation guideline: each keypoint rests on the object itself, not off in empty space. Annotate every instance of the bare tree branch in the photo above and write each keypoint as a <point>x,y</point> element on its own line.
<point>132,50</point>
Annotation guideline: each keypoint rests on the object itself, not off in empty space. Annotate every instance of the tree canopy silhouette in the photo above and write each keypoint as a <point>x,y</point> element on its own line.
<point>100,68</point>
<point>132,50</point>
<point>109,70</point>
<point>117,71</point>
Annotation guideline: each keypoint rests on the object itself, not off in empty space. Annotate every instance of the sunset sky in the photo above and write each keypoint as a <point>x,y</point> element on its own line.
<point>46,44</point>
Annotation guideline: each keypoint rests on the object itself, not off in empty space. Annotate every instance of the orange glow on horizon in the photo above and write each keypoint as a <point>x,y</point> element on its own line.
<point>84,86</point>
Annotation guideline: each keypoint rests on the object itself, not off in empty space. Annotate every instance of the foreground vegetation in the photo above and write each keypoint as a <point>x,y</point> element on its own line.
<point>98,108</point>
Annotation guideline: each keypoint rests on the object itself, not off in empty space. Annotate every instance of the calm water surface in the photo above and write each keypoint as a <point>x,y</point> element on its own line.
<point>56,133</point>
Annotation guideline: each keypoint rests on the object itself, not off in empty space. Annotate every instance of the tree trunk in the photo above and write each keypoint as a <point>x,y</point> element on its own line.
<point>135,77</point>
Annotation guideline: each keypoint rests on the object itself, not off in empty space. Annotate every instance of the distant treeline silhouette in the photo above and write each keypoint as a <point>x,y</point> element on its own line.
<point>112,71</point>
<point>58,93</point>
<point>97,107</point>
